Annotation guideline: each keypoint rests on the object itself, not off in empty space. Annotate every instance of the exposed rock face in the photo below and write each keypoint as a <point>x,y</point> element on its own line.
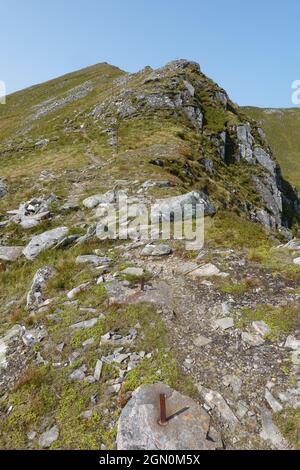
<point>44,241</point>
<point>188,424</point>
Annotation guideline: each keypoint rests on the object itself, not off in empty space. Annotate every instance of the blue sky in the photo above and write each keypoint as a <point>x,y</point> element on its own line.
<point>252,48</point>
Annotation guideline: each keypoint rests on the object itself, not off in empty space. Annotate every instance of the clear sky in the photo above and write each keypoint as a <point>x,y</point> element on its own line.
<point>251,48</point>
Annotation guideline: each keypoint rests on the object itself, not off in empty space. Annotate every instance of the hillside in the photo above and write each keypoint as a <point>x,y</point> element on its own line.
<point>85,320</point>
<point>282,130</point>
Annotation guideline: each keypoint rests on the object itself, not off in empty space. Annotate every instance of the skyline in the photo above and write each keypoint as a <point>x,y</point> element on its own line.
<point>251,52</point>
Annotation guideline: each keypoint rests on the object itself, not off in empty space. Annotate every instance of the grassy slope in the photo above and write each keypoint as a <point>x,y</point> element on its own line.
<point>282,129</point>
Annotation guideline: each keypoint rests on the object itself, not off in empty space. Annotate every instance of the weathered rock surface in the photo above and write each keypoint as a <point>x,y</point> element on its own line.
<point>157,250</point>
<point>44,241</point>
<point>10,253</point>
<point>35,297</point>
<point>188,424</point>
<point>3,188</point>
<point>49,437</point>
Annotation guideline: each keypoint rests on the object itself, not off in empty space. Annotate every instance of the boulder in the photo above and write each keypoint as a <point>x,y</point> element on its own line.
<point>207,270</point>
<point>10,253</point>
<point>133,271</point>
<point>44,241</point>
<point>187,429</point>
<point>156,250</point>
<point>93,201</point>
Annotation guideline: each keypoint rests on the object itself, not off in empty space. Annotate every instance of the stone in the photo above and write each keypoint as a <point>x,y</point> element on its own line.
<point>3,189</point>
<point>270,432</point>
<point>133,271</point>
<point>85,324</point>
<point>74,292</point>
<point>157,184</point>
<point>201,341</point>
<point>296,261</point>
<point>156,250</point>
<point>34,297</point>
<point>93,201</point>
<point>10,253</point>
<point>34,336</point>
<point>274,404</point>
<point>252,340</point>
<point>219,405</point>
<point>138,428</point>
<point>78,374</point>
<point>292,343</point>
<point>261,328</point>
<point>207,270</point>
<point>28,223</point>
<point>44,241</point>
<point>92,259</point>
<point>98,370</point>
<point>225,323</point>
<point>172,208</point>
<point>48,437</point>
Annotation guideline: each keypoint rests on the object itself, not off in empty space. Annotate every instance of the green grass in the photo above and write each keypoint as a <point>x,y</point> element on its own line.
<point>288,422</point>
<point>281,320</point>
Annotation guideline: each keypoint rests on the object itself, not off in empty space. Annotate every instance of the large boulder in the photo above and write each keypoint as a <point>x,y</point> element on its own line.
<point>187,429</point>
<point>44,241</point>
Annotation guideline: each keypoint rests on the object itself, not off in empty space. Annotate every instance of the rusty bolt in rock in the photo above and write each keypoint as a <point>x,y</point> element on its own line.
<point>163,412</point>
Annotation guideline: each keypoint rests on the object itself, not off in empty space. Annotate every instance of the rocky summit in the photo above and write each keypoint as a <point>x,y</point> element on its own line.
<point>95,328</point>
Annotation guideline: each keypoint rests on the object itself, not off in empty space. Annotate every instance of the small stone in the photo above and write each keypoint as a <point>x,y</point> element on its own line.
<point>207,270</point>
<point>85,324</point>
<point>261,328</point>
<point>201,341</point>
<point>292,343</point>
<point>74,292</point>
<point>225,323</point>
<point>252,340</point>
<point>98,370</point>
<point>48,437</point>
<point>31,435</point>
<point>133,271</point>
<point>78,374</point>
<point>92,259</point>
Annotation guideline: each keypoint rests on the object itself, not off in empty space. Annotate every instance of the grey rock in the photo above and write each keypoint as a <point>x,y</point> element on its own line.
<point>173,207</point>
<point>156,250</point>
<point>92,259</point>
<point>5,340</point>
<point>292,343</point>
<point>10,253</point>
<point>132,271</point>
<point>157,184</point>
<point>93,201</point>
<point>49,437</point>
<point>74,292</point>
<point>34,336</point>
<point>261,328</point>
<point>98,370</point>
<point>207,270</point>
<point>35,297</point>
<point>225,323</point>
<point>219,405</point>
<point>3,188</point>
<point>234,383</point>
<point>274,404</point>
<point>85,324</point>
<point>265,160</point>
<point>78,374</point>
<point>138,426</point>
<point>270,432</point>
<point>252,340</point>
<point>201,341</point>
<point>44,241</point>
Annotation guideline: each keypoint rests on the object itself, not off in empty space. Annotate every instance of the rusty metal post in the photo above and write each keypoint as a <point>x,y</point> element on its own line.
<point>163,411</point>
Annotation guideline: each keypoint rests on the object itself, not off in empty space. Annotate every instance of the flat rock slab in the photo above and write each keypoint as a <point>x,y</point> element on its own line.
<point>44,241</point>
<point>207,270</point>
<point>187,428</point>
<point>10,253</point>
<point>156,250</point>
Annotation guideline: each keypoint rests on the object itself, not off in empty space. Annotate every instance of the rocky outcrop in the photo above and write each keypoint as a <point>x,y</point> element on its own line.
<point>188,425</point>
<point>3,188</point>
